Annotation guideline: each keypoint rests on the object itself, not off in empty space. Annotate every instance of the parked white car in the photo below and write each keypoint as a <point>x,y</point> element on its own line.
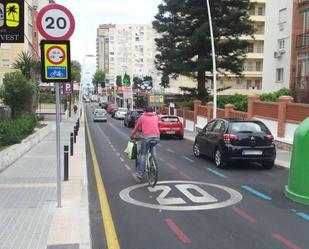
<point>120,113</point>
<point>100,115</point>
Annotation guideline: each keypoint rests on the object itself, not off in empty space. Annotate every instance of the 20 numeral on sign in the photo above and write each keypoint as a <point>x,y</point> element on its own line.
<point>60,22</point>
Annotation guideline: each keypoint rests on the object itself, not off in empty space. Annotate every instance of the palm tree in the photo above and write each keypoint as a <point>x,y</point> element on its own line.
<point>28,66</point>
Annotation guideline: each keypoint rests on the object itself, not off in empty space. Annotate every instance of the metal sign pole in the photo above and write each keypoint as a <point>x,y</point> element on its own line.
<point>58,144</point>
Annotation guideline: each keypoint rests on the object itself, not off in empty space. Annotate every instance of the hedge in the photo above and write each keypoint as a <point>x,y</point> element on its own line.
<point>15,130</point>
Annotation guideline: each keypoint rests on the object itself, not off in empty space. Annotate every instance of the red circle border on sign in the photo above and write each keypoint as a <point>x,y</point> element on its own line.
<point>56,63</point>
<point>59,7</point>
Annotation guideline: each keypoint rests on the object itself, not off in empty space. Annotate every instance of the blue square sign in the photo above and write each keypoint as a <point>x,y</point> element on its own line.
<point>57,72</point>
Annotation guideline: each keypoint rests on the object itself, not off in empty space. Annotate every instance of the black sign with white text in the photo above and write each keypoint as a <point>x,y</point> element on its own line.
<point>11,21</point>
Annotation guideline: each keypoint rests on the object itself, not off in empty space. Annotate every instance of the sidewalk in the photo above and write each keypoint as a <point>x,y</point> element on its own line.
<point>29,217</point>
<point>283,157</point>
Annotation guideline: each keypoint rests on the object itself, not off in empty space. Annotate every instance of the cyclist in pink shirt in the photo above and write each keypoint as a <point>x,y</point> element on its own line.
<point>149,124</point>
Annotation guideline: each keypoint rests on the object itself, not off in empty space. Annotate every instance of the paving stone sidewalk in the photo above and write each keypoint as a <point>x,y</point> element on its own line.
<point>28,194</point>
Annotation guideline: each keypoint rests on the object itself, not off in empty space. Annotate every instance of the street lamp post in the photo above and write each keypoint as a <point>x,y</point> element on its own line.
<point>214,73</point>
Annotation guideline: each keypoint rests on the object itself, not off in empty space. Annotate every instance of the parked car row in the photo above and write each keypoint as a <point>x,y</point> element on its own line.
<point>223,139</point>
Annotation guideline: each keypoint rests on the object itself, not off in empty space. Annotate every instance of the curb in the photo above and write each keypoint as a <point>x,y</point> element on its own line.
<point>13,153</point>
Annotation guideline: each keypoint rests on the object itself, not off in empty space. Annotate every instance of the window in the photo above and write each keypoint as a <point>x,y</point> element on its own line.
<point>259,47</point>
<point>219,127</point>
<point>282,15</point>
<point>279,74</point>
<point>208,127</point>
<point>5,45</point>
<point>306,20</point>
<point>238,81</point>
<point>249,66</point>
<point>5,62</point>
<point>250,48</point>
<point>260,11</point>
<point>258,66</point>
<point>281,44</point>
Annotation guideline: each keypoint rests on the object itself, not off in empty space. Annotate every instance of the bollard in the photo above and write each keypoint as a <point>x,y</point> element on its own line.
<point>66,163</point>
<point>74,136</point>
<point>77,126</point>
<point>71,143</point>
<point>75,129</point>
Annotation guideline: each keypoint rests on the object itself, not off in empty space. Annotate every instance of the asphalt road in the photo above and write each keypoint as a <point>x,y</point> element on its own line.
<point>194,205</point>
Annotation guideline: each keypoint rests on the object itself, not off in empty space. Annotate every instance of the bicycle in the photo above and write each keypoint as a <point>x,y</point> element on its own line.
<point>151,167</point>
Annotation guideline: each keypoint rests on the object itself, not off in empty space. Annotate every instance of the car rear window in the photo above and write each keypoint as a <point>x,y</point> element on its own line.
<point>170,119</point>
<point>100,112</point>
<point>247,127</point>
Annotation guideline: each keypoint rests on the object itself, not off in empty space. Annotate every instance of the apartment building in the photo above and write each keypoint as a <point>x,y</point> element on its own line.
<point>127,48</point>
<point>277,45</point>
<point>299,78</point>
<point>253,65</point>
<point>9,51</point>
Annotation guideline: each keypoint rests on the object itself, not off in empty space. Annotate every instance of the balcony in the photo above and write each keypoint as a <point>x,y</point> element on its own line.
<point>302,41</point>
<point>303,6</point>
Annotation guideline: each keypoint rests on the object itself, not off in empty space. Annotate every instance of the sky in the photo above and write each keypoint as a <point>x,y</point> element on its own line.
<point>89,14</point>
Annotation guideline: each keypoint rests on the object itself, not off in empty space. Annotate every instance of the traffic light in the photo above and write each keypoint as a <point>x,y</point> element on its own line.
<point>103,84</point>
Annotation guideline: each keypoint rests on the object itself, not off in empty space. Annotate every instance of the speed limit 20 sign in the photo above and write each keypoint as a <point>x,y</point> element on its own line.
<point>55,22</point>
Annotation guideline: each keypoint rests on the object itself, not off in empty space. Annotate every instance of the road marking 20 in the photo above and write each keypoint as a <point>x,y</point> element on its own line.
<point>192,190</point>
<point>185,190</point>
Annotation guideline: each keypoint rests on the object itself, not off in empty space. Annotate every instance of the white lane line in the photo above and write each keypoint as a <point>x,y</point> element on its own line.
<point>121,159</point>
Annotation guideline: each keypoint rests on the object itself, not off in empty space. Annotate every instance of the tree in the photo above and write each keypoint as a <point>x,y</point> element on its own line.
<point>28,66</point>
<point>98,77</point>
<point>185,47</point>
<point>165,81</point>
<point>75,71</point>
<point>17,92</point>
<point>119,80</point>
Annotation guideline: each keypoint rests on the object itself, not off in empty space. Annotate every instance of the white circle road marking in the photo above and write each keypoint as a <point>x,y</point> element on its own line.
<point>235,197</point>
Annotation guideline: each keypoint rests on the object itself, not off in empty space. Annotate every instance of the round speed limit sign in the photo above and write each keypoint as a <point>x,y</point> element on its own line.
<point>55,22</point>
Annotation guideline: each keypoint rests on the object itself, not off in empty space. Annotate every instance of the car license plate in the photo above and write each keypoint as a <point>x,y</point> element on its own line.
<point>252,152</point>
<point>170,132</point>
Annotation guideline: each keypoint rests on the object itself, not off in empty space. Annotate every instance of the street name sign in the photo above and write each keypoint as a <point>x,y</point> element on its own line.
<point>55,22</point>
<point>55,61</point>
<point>12,21</point>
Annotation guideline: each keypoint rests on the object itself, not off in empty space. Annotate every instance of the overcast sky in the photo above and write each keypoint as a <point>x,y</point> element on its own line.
<point>89,14</point>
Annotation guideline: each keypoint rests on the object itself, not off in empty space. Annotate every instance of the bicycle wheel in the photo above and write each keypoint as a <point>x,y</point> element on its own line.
<point>152,172</point>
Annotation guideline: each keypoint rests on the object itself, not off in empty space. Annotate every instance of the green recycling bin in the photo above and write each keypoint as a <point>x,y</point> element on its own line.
<point>298,184</point>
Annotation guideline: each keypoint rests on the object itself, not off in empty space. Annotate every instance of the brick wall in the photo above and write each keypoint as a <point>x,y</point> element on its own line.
<point>282,112</point>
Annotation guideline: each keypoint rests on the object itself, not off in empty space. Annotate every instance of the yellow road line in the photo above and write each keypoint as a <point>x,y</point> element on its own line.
<point>109,228</point>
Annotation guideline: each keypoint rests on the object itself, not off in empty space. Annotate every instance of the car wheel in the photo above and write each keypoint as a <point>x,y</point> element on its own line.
<point>180,137</point>
<point>220,163</point>
<point>196,149</point>
<point>268,165</point>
